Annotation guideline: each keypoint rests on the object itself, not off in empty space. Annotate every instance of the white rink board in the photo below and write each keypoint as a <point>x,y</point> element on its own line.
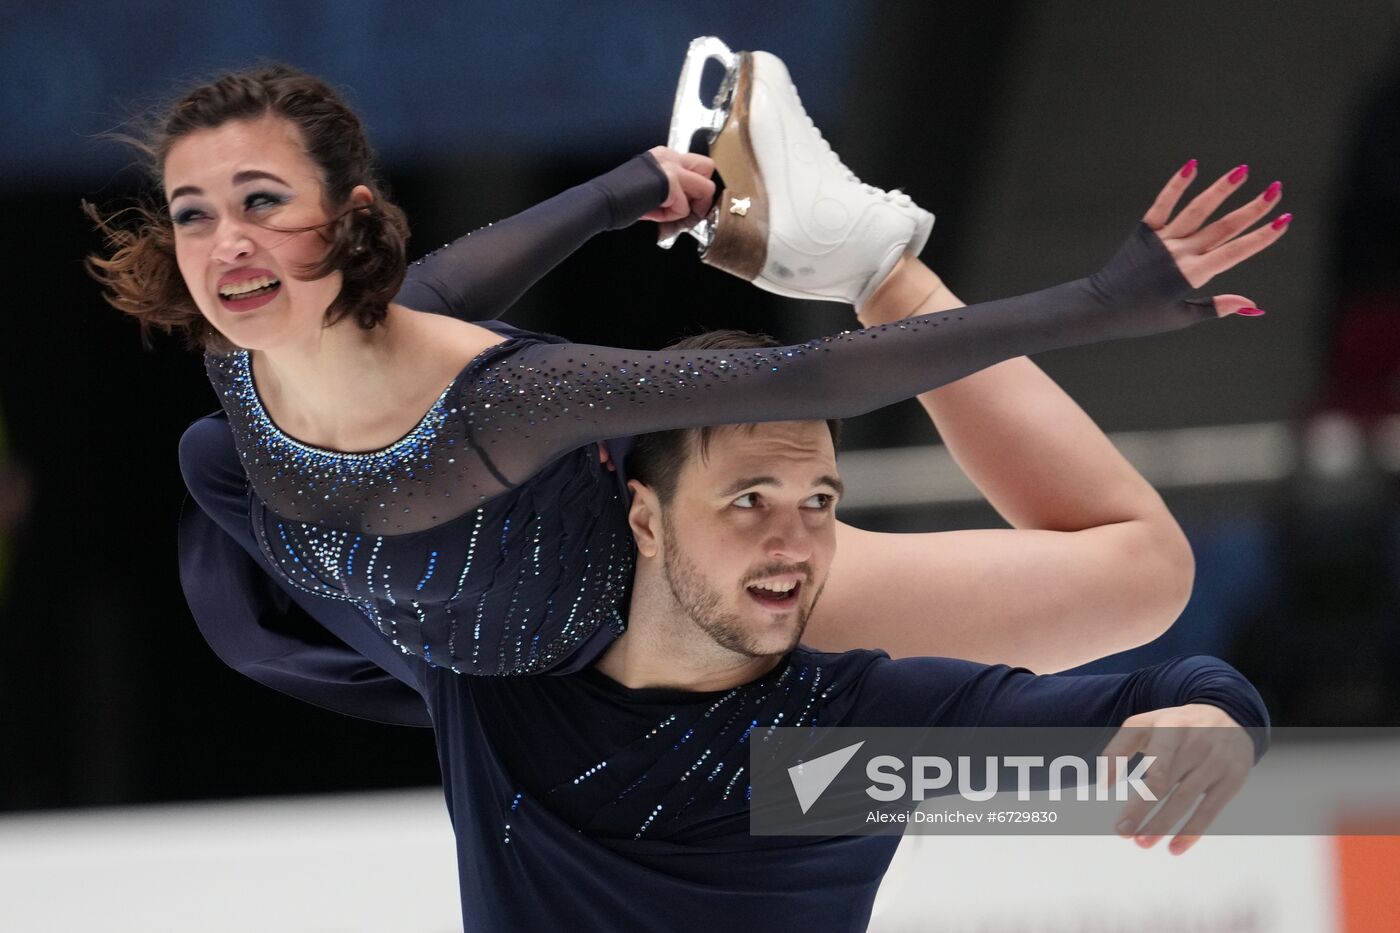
<point>1103,884</point>
<point>343,864</point>
<point>386,861</point>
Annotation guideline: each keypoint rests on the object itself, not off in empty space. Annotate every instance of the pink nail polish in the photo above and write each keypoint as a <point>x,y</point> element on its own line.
<point>1250,312</point>
<point>1240,173</point>
<point>1282,221</point>
<point>1272,192</point>
<point>1188,169</point>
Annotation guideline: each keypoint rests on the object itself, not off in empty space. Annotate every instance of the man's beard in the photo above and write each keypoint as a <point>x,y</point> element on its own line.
<point>704,604</point>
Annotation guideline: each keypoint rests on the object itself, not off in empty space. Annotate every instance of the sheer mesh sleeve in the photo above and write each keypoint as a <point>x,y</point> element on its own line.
<point>524,403</point>
<point>478,276</point>
<point>542,400</point>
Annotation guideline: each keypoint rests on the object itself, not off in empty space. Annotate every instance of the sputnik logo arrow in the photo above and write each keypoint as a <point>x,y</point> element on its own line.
<point>810,779</point>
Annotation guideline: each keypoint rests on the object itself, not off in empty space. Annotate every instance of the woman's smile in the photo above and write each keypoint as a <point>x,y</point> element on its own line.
<point>245,289</point>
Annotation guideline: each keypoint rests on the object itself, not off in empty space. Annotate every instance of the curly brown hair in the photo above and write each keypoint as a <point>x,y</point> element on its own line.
<point>367,245</point>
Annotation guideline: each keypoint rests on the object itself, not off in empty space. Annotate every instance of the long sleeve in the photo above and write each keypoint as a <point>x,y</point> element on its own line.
<point>533,404</point>
<point>283,639</point>
<point>478,276</point>
<point>523,403</point>
<point>944,692</point>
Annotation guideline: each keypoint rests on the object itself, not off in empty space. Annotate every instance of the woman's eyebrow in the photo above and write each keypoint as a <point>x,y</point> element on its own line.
<point>247,175</point>
<point>253,174</point>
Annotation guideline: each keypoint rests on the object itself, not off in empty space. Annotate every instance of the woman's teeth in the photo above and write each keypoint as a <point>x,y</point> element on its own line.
<point>247,287</point>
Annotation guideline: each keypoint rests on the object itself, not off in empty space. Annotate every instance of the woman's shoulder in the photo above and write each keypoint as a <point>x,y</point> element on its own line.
<point>460,342</point>
<point>498,331</point>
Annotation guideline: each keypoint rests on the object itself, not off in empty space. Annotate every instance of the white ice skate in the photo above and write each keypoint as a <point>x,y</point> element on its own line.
<point>791,218</point>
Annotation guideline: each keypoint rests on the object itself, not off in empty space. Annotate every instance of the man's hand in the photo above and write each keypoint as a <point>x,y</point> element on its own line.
<point>1200,752</point>
<point>692,187</point>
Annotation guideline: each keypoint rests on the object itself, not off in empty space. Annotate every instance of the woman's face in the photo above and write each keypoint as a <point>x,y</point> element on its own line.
<point>229,188</point>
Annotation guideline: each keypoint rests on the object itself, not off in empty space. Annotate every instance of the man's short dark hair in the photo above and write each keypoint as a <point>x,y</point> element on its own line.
<point>656,459</point>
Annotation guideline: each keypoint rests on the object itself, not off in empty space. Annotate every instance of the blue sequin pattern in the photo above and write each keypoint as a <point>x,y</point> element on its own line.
<point>675,776</point>
<point>513,584</point>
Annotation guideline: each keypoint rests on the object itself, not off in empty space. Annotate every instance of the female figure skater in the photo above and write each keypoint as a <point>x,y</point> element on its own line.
<point>473,523</point>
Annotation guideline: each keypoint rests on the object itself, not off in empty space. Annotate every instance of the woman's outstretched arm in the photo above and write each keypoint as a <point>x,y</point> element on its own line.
<point>539,401</point>
<point>1094,562</point>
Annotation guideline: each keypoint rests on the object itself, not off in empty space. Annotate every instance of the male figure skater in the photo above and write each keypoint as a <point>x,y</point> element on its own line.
<point>616,798</point>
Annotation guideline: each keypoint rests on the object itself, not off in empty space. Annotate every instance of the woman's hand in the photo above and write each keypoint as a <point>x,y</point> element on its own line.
<point>692,187</point>
<point>1203,251</point>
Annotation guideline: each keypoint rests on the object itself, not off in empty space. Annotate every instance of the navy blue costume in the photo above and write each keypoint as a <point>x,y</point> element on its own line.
<point>582,805</point>
<point>488,540</point>
<point>578,803</point>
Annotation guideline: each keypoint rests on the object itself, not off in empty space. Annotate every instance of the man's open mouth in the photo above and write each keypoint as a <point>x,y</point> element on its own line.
<point>774,594</point>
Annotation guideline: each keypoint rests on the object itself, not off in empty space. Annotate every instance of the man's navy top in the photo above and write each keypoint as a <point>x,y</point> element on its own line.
<point>580,804</point>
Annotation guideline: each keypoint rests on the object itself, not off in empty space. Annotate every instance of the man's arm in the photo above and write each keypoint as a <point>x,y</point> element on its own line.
<point>1201,720</point>
<point>1094,563</point>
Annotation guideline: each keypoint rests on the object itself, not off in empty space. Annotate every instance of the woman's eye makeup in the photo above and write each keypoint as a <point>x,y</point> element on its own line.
<point>186,216</point>
<point>263,199</point>
<point>254,201</point>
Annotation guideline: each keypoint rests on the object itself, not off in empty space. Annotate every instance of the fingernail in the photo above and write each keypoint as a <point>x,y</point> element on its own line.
<point>1240,173</point>
<point>1271,193</point>
<point>1177,847</point>
<point>1250,312</point>
<point>1188,169</point>
<point>1282,221</point>
<point>1147,841</point>
<point>1124,828</point>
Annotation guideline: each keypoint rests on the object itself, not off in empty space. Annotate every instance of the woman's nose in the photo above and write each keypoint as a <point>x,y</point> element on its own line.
<point>233,244</point>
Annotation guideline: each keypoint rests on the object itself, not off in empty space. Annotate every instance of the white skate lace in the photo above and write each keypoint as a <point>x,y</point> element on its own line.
<point>893,196</point>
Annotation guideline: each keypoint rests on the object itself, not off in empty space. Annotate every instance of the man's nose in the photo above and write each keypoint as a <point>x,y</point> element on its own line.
<point>789,538</point>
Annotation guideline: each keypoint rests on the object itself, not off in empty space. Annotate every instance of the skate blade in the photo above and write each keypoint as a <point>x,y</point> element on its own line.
<point>690,115</point>
<point>737,239</point>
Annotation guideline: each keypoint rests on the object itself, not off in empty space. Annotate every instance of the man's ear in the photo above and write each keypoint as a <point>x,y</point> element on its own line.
<point>644,516</point>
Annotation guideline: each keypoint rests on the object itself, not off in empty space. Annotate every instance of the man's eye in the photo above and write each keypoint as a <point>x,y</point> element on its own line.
<point>748,500</point>
<point>822,500</point>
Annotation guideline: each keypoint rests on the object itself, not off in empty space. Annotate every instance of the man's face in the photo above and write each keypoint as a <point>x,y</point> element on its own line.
<point>750,534</point>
